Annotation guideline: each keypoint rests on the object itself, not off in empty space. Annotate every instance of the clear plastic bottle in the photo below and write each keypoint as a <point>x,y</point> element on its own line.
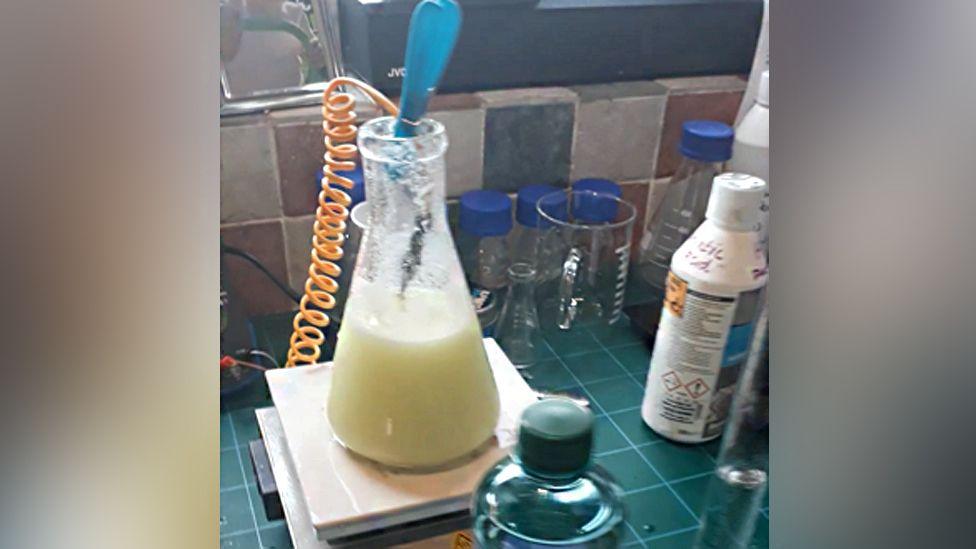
<point>751,152</point>
<point>705,146</point>
<point>517,329</point>
<point>735,493</point>
<point>485,221</point>
<point>548,493</point>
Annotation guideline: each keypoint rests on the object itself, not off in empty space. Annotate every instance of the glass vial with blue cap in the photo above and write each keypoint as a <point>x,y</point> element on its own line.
<point>529,238</point>
<point>705,146</point>
<point>549,493</point>
<point>485,221</point>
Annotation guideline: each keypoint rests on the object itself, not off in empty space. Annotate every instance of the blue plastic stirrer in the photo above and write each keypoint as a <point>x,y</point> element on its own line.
<point>434,28</point>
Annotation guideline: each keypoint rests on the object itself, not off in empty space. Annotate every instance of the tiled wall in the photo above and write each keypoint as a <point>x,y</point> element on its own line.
<point>500,140</point>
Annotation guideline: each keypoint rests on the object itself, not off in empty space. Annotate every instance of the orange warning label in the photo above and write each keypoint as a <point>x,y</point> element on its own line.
<point>674,296</point>
<point>462,541</point>
<point>671,381</point>
<point>696,388</point>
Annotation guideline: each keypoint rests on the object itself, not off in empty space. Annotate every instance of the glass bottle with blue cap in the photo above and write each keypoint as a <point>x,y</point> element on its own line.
<point>529,243</point>
<point>705,146</point>
<point>485,221</point>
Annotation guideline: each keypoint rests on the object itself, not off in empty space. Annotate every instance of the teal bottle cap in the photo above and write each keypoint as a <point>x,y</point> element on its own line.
<point>555,437</point>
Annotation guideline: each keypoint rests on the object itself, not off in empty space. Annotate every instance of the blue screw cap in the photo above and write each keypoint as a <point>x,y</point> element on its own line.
<point>595,208</point>
<point>527,214</point>
<point>707,140</point>
<point>357,193</point>
<point>485,213</point>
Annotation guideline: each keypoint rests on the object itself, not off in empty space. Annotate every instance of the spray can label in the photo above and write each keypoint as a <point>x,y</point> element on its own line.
<point>702,343</point>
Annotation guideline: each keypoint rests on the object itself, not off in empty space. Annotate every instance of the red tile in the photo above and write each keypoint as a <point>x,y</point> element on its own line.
<point>265,241</point>
<point>720,106</point>
<point>636,195</point>
<point>300,148</point>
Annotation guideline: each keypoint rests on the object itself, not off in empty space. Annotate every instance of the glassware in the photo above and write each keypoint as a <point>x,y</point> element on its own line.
<point>529,242</point>
<point>517,331</point>
<point>409,361</point>
<point>485,220</point>
<point>705,145</point>
<point>594,232</point>
<point>549,493</point>
<point>736,491</point>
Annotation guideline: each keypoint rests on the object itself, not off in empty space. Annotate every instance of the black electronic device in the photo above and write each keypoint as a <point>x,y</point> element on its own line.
<point>522,43</point>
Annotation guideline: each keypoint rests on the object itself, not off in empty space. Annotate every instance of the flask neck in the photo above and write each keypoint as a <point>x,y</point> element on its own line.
<point>408,242</point>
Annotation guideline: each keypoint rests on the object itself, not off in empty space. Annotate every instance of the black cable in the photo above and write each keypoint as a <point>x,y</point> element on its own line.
<point>293,295</point>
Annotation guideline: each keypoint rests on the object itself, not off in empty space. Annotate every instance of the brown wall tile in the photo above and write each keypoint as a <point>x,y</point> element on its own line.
<point>300,150</point>
<point>720,106</point>
<point>265,241</point>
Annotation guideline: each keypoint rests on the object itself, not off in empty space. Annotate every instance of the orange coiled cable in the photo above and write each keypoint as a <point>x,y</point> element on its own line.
<point>328,232</point>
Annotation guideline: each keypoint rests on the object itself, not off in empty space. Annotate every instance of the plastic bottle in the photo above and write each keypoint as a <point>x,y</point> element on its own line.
<point>706,324</point>
<point>548,493</point>
<point>485,220</point>
<point>705,146</point>
<point>750,153</point>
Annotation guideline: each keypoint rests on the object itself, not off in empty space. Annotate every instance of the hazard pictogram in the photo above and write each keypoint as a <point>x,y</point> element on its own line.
<point>696,388</point>
<point>671,381</point>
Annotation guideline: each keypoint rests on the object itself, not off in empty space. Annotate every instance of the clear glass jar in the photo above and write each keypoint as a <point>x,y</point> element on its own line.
<point>409,361</point>
<point>705,146</point>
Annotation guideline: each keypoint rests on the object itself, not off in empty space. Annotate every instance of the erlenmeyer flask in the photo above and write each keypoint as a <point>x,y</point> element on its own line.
<point>517,331</point>
<point>412,387</point>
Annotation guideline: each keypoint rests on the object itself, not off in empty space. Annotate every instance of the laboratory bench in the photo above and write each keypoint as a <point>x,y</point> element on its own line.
<point>664,483</point>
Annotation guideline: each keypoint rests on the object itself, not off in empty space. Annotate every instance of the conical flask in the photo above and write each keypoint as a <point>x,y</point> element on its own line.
<point>412,387</point>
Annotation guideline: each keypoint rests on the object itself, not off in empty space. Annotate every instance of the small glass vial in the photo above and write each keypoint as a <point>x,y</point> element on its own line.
<point>517,329</point>
<point>548,493</point>
<point>705,147</point>
<point>485,221</point>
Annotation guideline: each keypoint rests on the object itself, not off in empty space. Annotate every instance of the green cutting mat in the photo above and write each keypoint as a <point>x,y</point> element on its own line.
<point>664,483</point>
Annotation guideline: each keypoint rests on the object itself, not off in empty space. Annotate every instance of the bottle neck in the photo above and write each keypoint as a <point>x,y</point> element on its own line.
<point>550,480</point>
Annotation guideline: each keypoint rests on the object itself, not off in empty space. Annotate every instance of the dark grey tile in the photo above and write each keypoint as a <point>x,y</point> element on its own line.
<point>248,174</point>
<point>300,148</point>
<point>528,144</point>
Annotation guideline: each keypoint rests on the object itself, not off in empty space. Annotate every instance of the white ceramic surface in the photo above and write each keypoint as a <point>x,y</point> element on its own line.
<point>346,495</point>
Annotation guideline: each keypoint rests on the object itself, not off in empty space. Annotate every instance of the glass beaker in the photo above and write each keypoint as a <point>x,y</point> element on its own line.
<point>517,331</point>
<point>735,492</point>
<point>594,234</point>
<point>411,386</point>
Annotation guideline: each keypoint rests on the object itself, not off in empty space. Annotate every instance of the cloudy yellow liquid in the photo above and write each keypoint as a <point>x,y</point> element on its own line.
<point>412,386</point>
